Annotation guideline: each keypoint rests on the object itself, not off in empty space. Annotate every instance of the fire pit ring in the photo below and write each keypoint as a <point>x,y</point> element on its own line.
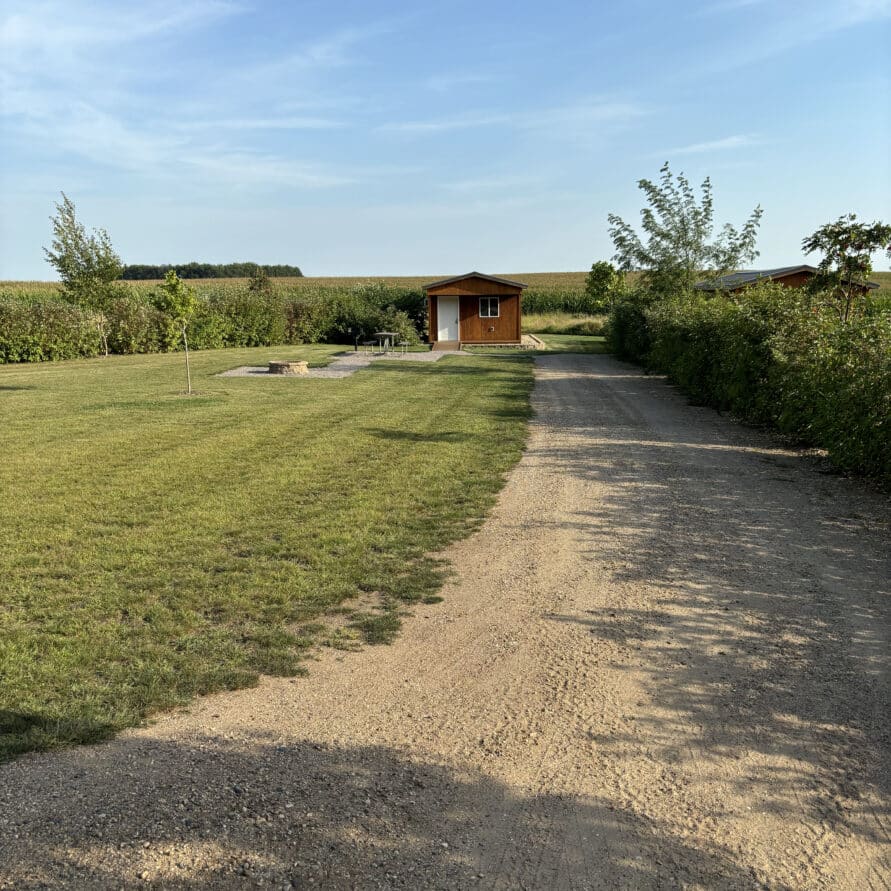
<point>281,366</point>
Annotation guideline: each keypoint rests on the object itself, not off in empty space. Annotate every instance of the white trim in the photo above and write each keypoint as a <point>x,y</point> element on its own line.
<point>497,304</point>
<point>452,329</point>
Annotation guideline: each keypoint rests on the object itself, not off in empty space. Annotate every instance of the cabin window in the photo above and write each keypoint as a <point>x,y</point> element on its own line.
<point>489,308</point>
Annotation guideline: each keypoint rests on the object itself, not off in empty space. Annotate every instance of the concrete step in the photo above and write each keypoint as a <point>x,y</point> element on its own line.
<point>446,344</point>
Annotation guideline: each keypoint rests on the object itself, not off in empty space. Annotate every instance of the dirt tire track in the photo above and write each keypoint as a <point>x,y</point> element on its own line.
<point>663,663</point>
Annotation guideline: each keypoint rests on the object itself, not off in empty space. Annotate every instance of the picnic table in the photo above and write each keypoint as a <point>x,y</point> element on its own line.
<point>385,339</point>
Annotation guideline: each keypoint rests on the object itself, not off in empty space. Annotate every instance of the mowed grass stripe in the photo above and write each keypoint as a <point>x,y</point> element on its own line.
<point>157,546</point>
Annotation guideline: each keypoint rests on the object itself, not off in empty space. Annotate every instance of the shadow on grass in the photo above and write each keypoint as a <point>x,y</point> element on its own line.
<point>295,813</point>
<point>412,436</point>
<point>23,731</point>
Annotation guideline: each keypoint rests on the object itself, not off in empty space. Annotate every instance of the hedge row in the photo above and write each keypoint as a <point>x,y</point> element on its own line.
<point>47,329</point>
<point>774,358</point>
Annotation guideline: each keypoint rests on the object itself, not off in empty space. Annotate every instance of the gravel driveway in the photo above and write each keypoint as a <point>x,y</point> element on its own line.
<point>662,664</point>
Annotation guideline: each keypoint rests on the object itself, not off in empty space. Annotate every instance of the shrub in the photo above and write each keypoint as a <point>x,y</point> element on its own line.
<point>209,328</point>
<point>253,319</point>
<point>46,330</point>
<point>307,320</point>
<point>628,332</point>
<point>134,326</point>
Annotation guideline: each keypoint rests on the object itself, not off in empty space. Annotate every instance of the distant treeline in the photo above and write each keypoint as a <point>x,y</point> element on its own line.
<point>142,271</point>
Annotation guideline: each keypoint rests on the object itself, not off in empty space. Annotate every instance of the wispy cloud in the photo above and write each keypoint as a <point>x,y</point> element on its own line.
<point>253,169</point>
<point>270,123</point>
<point>446,83</point>
<point>723,6</point>
<point>49,27</point>
<point>496,183</point>
<point>778,28</point>
<point>53,51</point>
<point>742,140</point>
<point>462,122</point>
<point>551,119</point>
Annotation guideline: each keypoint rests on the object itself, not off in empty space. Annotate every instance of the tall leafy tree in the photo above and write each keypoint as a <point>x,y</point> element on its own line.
<point>178,301</point>
<point>603,283</point>
<point>847,247</point>
<point>87,265</point>
<point>678,245</point>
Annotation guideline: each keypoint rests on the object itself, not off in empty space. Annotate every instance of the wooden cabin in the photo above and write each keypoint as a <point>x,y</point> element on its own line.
<point>787,276</point>
<point>473,309</point>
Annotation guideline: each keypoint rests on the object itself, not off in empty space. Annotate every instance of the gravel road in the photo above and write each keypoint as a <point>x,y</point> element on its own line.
<point>662,663</point>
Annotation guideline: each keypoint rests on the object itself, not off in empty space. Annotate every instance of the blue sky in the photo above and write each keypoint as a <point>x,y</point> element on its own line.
<point>413,138</point>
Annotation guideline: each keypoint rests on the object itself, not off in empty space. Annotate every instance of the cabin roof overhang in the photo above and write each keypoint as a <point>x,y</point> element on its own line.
<point>481,275</point>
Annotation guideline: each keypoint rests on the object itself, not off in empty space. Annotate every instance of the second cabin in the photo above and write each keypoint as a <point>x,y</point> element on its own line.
<point>473,309</point>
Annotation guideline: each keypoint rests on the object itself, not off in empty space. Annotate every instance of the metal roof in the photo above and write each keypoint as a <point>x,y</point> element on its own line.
<point>488,278</point>
<point>737,279</point>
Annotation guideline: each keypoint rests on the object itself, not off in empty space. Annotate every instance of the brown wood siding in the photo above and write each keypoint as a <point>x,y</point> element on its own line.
<point>432,318</point>
<point>472,328</point>
<point>504,329</point>
<point>470,286</point>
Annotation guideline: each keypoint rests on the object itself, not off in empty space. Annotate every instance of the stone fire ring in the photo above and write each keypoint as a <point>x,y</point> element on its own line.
<point>282,367</point>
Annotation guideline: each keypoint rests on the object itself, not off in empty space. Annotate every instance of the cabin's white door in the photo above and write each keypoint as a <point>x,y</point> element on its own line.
<point>447,319</point>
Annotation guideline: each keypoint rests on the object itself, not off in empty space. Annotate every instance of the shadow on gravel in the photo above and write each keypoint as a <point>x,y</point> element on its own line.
<point>207,815</point>
<point>772,584</point>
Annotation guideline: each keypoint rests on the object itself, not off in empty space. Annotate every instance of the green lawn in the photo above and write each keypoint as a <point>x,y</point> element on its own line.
<point>573,343</point>
<point>155,546</point>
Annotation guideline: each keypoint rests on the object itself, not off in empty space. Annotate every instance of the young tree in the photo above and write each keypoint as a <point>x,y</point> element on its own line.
<point>87,265</point>
<point>603,283</point>
<point>178,301</point>
<point>679,247</point>
<point>847,248</point>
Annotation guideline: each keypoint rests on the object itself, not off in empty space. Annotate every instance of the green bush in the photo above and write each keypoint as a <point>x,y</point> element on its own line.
<point>226,315</point>
<point>252,319</point>
<point>628,332</point>
<point>45,330</point>
<point>307,320</point>
<point>210,327</point>
<point>134,326</point>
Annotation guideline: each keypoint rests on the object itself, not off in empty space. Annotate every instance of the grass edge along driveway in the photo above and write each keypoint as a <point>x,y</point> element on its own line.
<point>156,547</point>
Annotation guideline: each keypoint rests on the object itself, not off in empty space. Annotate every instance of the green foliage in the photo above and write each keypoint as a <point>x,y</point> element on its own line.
<point>45,330</point>
<point>145,271</point>
<point>307,320</point>
<point>844,271</point>
<point>87,264</point>
<point>678,227</point>
<point>135,326</point>
<point>774,357</point>
<point>176,299</point>
<point>259,282</point>
<point>557,299</point>
<point>628,331</point>
<point>252,319</point>
<point>603,284</point>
